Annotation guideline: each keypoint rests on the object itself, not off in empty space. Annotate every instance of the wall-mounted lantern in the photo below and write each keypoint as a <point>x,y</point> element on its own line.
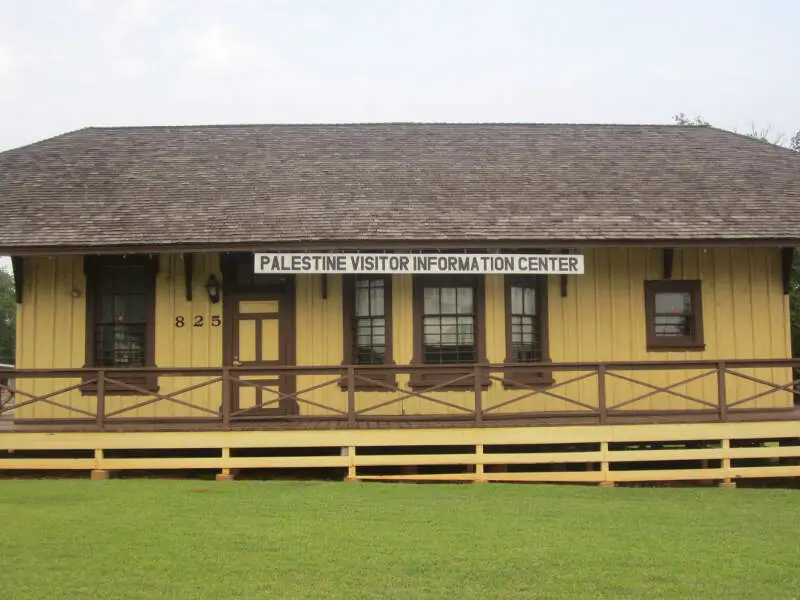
<point>213,288</point>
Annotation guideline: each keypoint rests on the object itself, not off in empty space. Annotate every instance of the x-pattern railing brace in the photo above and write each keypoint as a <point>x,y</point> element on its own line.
<point>156,397</point>
<point>412,393</point>
<point>791,386</point>
<point>657,389</point>
<point>545,392</point>
<point>287,395</point>
<point>46,399</point>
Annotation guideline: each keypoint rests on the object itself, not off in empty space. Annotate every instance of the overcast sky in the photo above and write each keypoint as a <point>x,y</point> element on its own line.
<point>67,64</point>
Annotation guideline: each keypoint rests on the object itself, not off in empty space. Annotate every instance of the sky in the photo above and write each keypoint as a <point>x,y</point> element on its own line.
<point>67,64</point>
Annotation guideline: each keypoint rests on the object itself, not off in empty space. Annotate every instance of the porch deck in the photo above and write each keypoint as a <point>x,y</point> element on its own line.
<point>312,424</point>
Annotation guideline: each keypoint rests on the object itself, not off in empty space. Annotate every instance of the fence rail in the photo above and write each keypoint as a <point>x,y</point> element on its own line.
<point>583,389</point>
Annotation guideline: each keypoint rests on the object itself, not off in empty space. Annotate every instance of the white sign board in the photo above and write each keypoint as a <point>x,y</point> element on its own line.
<point>419,264</point>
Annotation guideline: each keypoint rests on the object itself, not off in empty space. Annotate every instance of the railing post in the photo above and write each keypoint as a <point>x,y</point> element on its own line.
<point>226,398</point>
<point>722,392</point>
<point>601,393</point>
<point>478,395</point>
<point>351,396</point>
<point>101,399</point>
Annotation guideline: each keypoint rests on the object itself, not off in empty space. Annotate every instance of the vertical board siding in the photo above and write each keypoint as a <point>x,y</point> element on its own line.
<point>51,333</point>
<point>746,315</point>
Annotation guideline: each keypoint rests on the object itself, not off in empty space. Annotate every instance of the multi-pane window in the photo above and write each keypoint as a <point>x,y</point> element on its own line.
<point>122,296</point>
<point>673,309</point>
<point>369,322</point>
<point>525,326</point>
<point>673,314</point>
<point>448,325</point>
<point>526,331</point>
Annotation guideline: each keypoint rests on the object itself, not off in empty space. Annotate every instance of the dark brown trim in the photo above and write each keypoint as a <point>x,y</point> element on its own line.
<point>18,270</point>
<point>188,273</point>
<point>528,375</point>
<point>669,261</point>
<point>787,259</point>
<point>657,343</point>
<point>348,315</point>
<point>404,244</point>
<point>284,292</point>
<point>421,379</point>
<point>149,381</point>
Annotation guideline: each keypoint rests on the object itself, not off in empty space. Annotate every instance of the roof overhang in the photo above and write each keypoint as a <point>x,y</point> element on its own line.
<point>356,245</point>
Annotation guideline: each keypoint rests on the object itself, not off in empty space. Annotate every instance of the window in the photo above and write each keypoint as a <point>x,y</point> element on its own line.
<point>448,321</point>
<point>448,325</point>
<point>673,309</point>
<point>368,325</point>
<point>369,331</point>
<point>120,325</point>
<point>525,309</point>
<point>526,328</point>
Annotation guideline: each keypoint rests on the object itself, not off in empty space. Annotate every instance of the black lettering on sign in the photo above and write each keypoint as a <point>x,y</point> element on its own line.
<point>573,264</point>
<point>198,320</point>
<point>179,322</point>
<point>216,321</point>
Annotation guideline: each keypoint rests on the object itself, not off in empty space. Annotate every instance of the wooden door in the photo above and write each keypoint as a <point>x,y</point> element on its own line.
<point>261,339</point>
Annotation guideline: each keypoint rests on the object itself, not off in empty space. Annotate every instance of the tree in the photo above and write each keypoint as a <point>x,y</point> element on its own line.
<point>8,317</point>
<point>682,119</point>
<point>764,133</point>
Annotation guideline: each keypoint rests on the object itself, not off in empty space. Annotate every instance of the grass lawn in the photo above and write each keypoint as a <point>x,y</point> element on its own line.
<point>153,539</point>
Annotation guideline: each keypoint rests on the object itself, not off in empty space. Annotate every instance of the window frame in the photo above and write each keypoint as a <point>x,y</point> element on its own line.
<point>348,333</point>
<point>525,375</point>
<point>657,343</point>
<point>93,266</point>
<point>422,379</point>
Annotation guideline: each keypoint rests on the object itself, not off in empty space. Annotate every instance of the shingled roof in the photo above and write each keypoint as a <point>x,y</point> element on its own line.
<point>339,186</point>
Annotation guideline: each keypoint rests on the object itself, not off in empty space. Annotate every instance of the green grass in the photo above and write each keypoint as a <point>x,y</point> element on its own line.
<point>187,539</point>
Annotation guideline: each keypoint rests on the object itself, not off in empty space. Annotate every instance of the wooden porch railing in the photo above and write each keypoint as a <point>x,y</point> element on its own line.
<point>593,402</point>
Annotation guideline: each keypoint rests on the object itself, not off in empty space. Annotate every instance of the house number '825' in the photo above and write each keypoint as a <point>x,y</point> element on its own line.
<point>199,321</point>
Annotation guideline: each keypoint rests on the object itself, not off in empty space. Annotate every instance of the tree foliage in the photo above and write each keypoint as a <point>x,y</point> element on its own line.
<point>682,119</point>
<point>765,134</point>
<point>8,317</point>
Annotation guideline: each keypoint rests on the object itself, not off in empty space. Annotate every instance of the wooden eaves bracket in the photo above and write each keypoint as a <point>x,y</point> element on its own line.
<point>669,261</point>
<point>188,272</point>
<point>787,258</point>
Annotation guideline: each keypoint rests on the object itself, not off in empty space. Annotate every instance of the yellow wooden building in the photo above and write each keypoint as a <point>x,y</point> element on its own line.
<point>449,302</point>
